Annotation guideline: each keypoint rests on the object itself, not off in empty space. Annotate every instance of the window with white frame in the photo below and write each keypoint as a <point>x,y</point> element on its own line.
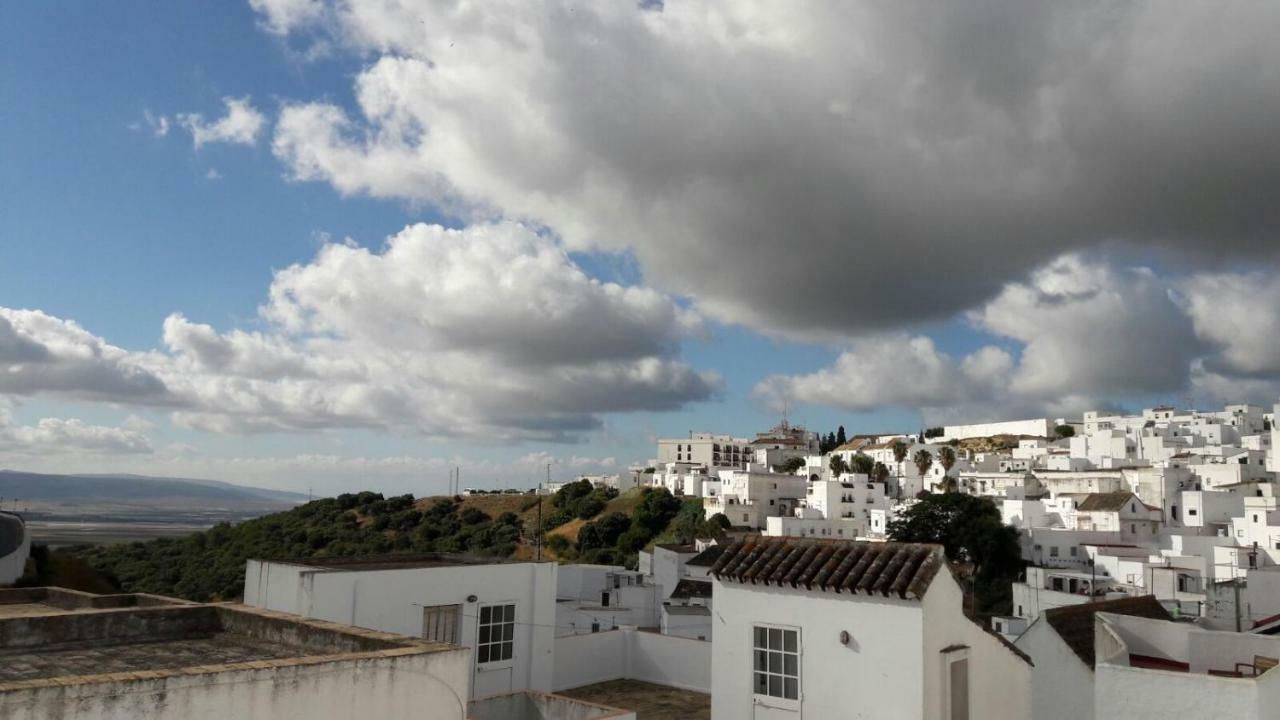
<point>497,633</point>
<point>776,669</point>
<point>440,623</point>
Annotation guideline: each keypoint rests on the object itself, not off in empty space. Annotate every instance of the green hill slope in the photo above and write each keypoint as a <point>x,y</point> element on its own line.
<point>209,565</point>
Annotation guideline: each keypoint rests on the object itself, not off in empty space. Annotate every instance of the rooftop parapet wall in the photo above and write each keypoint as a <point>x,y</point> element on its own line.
<point>250,664</point>
<point>64,599</point>
<point>110,626</point>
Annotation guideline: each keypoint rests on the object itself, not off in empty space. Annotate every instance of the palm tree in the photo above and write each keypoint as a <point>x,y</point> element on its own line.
<point>923,460</point>
<point>947,457</point>
<point>880,473</point>
<point>899,453</point>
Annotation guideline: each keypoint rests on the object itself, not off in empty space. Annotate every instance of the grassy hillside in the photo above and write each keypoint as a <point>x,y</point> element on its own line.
<point>584,524</point>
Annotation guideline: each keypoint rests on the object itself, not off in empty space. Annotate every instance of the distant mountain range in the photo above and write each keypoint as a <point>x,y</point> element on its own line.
<point>138,491</point>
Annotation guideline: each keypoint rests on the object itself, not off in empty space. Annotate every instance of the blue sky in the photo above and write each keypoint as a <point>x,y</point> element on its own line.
<point>115,226</point>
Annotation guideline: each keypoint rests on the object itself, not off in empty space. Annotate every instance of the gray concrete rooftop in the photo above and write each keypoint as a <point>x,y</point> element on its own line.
<point>104,657</point>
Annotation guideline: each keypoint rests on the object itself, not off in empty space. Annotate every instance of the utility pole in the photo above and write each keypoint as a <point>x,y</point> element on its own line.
<point>1235,588</point>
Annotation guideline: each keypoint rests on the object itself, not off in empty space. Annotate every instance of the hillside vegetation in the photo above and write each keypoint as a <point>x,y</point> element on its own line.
<point>209,565</point>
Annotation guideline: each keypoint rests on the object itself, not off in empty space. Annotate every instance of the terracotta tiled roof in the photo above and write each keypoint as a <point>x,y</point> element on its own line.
<point>1074,623</point>
<point>1105,502</point>
<point>901,569</point>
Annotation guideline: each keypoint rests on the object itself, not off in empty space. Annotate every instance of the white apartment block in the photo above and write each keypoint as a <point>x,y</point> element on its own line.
<point>748,497</point>
<point>503,612</point>
<point>715,452</point>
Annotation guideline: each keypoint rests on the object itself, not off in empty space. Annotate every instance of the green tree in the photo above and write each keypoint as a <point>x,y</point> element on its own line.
<point>790,466</point>
<point>923,460</point>
<point>1064,431</point>
<point>971,533</point>
<point>840,436</point>
<point>899,453</point>
<point>946,458</point>
<point>721,520</point>
<point>838,466</point>
<point>880,473</point>
<point>862,464</point>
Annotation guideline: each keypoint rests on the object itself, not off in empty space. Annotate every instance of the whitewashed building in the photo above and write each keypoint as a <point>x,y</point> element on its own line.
<point>814,629</point>
<point>1060,643</point>
<point>504,612</point>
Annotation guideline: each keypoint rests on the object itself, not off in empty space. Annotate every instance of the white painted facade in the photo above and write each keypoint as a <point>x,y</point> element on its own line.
<point>1124,691</point>
<point>1037,427</point>
<point>892,667</point>
<point>397,600</point>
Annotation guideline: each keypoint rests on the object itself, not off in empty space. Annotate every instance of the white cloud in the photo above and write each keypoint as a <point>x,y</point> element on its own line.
<point>929,156</point>
<point>281,16</point>
<point>894,369</point>
<point>157,124</point>
<point>61,436</point>
<point>490,332</point>
<point>1239,313</point>
<point>1087,334</point>
<point>1089,328</point>
<point>213,174</point>
<point>40,353</point>
<point>241,125</point>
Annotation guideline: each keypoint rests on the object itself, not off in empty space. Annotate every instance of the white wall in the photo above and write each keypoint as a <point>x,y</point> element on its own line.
<point>877,676</point>
<point>392,600</point>
<point>1040,427</point>
<point>999,680</point>
<point>424,686</point>
<point>1061,684</point>
<point>1126,693</point>
<point>632,655</point>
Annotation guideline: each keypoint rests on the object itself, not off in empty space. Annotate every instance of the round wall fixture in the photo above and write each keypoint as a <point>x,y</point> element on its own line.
<point>471,598</point>
<point>844,637</point>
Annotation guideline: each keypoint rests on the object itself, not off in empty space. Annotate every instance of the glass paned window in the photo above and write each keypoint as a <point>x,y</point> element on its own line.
<point>496,639</point>
<point>440,623</point>
<point>776,665</point>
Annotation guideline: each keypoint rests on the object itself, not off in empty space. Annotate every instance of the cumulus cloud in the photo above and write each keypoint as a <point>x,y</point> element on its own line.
<point>951,150</point>
<point>58,435</point>
<point>280,16</point>
<point>40,353</point>
<point>486,331</point>
<point>1239,313</point>
<point>240,126</point>
<point>1087,327</point>
<point>490,332</point>
<point>1086,332</point>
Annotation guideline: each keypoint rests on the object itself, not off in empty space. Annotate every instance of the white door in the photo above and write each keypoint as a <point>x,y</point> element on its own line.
<point>775,672</point>
<point>494,650</point>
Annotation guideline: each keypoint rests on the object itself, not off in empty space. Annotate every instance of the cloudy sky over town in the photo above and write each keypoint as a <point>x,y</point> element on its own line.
<point>354,243</point>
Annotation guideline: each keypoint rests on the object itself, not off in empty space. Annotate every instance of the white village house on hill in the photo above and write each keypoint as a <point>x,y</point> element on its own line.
<point>808,628</point>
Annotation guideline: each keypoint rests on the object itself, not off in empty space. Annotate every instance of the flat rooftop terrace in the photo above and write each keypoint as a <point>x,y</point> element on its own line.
<point>648,701</point>
<point>48,633</point>
<point>24,602</point>
<point>394,562</point>
<point>95,658</point>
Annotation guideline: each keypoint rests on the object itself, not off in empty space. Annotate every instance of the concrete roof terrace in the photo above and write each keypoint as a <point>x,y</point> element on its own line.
<point>395,562</point>
<point>60,637</point>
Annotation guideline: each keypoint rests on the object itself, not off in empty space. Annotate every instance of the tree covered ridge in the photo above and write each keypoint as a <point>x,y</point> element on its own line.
<point>209,565</point>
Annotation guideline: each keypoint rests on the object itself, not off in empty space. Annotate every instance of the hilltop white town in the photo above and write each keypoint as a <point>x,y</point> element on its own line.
<point>1149,587</point>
